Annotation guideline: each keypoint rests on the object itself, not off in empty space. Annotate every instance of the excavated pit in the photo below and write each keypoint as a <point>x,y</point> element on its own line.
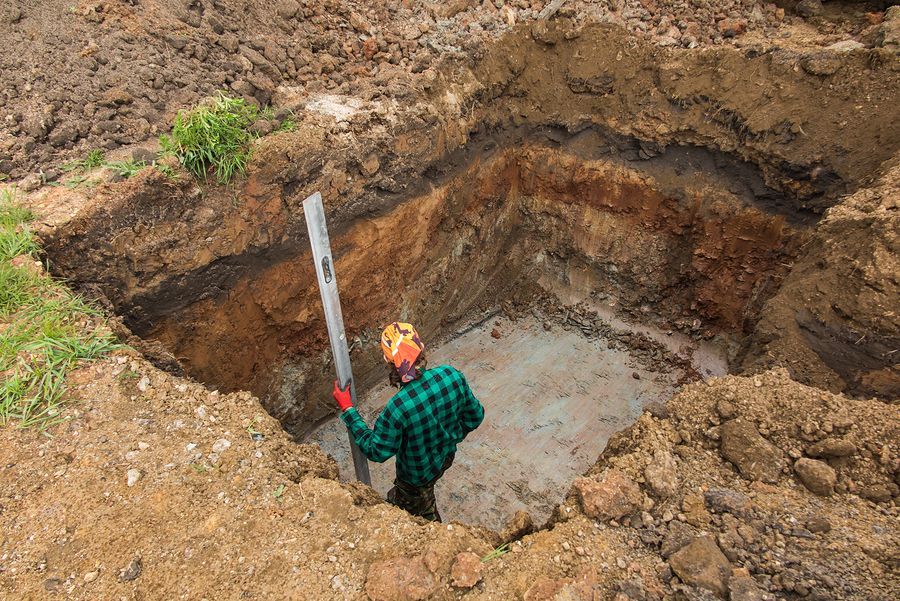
<point>666,244</point>
<point>580,229</point>
<point>575,283</point>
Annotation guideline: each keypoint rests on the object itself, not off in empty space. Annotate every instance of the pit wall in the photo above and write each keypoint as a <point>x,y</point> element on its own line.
<point>512,219</point>
<point>157,248</point>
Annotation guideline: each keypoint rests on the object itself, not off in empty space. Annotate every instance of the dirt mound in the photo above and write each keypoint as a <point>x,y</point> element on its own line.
<point>764,520</point>
<point>846,335</point>
<point>114,73</point>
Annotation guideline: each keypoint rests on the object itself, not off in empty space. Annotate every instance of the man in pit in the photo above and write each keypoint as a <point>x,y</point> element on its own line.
<point>421,424</point>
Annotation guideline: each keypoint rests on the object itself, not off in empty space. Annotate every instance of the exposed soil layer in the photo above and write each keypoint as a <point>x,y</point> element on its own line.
<point>739,193</point>
<point>673,248</point>
<point>685,197</point>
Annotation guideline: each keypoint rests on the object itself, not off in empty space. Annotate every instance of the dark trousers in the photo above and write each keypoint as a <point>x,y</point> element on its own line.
<point>418,500</point>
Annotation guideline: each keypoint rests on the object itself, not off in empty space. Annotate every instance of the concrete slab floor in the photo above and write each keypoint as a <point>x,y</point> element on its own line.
<point>552,399</point>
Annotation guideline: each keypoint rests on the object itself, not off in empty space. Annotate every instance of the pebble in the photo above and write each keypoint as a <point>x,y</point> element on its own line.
<point>620,561</point>
<point>91,576</point>
<point>134,475</point>
<point>221,445</point>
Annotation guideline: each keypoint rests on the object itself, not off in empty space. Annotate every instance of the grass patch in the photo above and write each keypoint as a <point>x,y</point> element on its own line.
<point>126,169</point>
<point>45,330</point>
<point>95,158</point>
<point>213,137</point>
<point>289,124</point>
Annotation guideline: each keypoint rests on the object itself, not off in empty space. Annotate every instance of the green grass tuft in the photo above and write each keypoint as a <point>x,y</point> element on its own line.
<point>214,137</point>
<point>94,159</point>
<point>126,169</point>
<point>46,330</point>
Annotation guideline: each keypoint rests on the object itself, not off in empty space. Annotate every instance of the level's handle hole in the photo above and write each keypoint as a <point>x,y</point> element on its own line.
<point>326,269</point>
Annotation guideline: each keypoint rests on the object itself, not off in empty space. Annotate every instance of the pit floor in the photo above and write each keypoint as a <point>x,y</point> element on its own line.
<point>552,399</point>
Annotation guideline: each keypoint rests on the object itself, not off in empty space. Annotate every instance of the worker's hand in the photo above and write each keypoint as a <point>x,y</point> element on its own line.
<point>342,396</point>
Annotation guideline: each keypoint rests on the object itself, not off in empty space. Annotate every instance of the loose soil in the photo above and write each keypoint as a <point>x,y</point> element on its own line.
<point>628,173</point>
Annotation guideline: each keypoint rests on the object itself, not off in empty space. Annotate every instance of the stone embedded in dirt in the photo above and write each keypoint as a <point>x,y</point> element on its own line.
<point>694,509</point>
<point>818,524</point>
<point>518,526</point>
<point>466,570</point>
<point>816,475</point>
<point>742,587</point>
<point>131,571</point>
<point>584,588</point>
<point>877,493</point>
<point>832,447</point>
<point>543,589</point>
<point>287,9</point>
<point>495,333</point>
<point>611,496</point>
<point>62,134</point>
<point>702,564</point>
<point>730,28</point>
<point>822,63</point>
<point>754,456</point>
<point>677,536</point>
<point>809,8</point>
<point>133,476</point>
<point>221,445</point>
<point>400,579</point>
<point>726,409</point>
<point>889,32</point>
<point>370,165</point>
<point>725,500</point>
<point>661,474</point>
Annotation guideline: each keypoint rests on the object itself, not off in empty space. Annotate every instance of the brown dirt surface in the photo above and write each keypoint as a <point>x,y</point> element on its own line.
<point>459,118</point>
<point>846,335</point>
<point>103,74</point>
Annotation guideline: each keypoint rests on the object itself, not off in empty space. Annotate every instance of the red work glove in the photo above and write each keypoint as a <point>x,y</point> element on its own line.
<point>342,396</point>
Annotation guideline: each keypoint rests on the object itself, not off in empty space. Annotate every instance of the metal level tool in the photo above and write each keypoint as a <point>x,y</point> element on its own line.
<point>321,250</point>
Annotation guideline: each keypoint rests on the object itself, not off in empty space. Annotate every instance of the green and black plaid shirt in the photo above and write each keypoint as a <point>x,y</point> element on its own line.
<point>421,424</point>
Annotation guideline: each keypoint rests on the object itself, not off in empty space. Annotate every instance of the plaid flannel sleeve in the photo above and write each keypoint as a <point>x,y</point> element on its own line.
<point>472,413</point>
<point>380,443</point>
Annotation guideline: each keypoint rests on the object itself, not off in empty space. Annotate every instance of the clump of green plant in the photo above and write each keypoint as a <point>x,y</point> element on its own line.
<point>495,553</point>
<point>166,170</point>
<point>126,169</point>
<point>289,124</point>
<point>213,137</point>
<point>47,330</point>
<point>95,158</point>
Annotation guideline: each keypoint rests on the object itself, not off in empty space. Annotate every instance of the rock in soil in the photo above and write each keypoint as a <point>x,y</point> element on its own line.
<point>611,496</point>
<point>816,475</point>
<point>400,579</point>
<point>702,564</point>
<point>753,455</point>
<point>466,570</point>
<point>661,474</point>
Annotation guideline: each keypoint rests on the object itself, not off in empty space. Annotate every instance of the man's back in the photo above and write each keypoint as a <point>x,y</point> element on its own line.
<point>421,424</point>
<point>437,411</point>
